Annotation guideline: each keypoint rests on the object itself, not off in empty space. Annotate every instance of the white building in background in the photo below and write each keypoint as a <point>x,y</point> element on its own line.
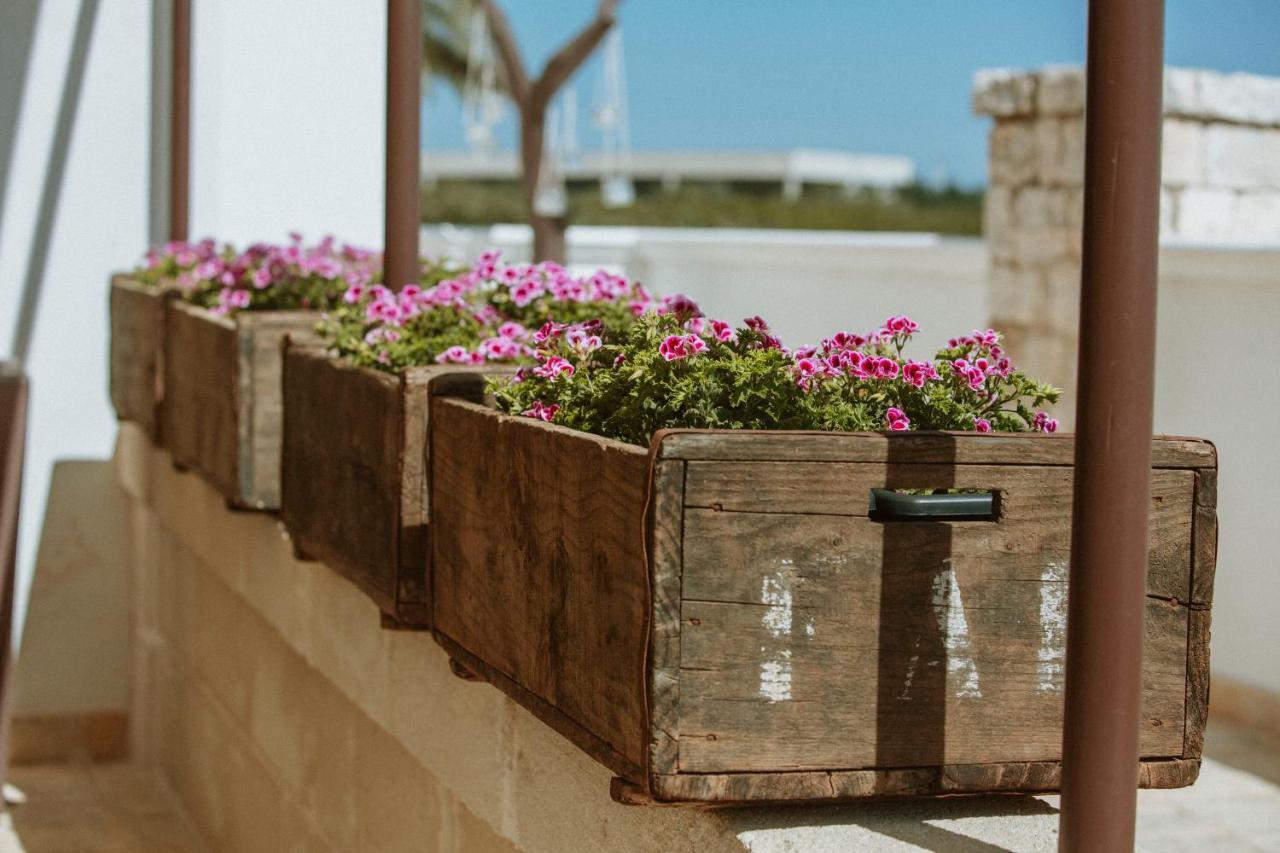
<point>792,170</point>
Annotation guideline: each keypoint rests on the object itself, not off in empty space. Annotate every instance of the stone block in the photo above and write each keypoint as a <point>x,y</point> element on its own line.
<point>1015,158</point>
<point>1259,216</point>
<point>997,210</point>
<point>1242,157</point>
<point>1038,207</point>
<point>1014,295</point>
<point>1246,99</point>
<point>1065,168</point>
<point>1062,299</point>
<point>1183,156</point>
<point>1206,214</point>
<point>1004,92</point>
<point>1061,90</point>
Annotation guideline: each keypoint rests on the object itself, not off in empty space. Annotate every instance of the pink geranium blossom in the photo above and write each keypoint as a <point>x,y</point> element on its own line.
<point>676,347</point>
<point>541,411</point>
<point>897,420</point>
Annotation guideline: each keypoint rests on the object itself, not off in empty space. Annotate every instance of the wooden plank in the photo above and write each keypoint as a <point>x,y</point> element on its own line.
<point>666,537</point>
<point>261,416</point>
<point>1204,538</point>
<point>201,395</point>
<point>354,471</point>
<point>539,568</point>
<point>835,638</point>
<point>137,352</point>
<point>1034,503</point>
<point>721,789</point>
<point>919,447</point>
<point>341,468</point>
<point>1197,688</point>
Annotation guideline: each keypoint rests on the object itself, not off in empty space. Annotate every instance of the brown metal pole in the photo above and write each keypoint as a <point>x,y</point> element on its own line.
<point>404,86</point>
<point>13,430</point>
<point>180,123</point>
<point>1114,417</point>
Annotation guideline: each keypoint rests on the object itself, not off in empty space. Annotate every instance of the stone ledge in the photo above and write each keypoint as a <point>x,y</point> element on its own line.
<point>1191,93</point>
<point>235,610</point>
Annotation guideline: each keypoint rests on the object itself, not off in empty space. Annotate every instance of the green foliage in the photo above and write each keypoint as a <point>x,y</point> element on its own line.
<point>913,208</point>
<point>657,376</point>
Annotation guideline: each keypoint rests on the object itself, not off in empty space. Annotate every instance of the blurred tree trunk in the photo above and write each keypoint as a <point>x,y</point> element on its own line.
<point>532,99</point>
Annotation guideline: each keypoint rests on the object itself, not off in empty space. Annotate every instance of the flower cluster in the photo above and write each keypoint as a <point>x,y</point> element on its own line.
<point>676,368</point>
<point>492,312</point>
<point>169,261</point>
<point>271,277</point>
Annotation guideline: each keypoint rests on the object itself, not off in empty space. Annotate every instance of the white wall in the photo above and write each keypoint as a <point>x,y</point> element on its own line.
<point>287,119</point>
<point>807,284</point>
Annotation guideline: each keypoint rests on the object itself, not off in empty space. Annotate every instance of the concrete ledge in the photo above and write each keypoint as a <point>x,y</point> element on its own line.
<point>274,704</point>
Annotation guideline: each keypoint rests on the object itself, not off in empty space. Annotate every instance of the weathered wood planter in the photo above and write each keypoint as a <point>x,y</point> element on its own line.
<point>354,474</point>
<point>722,619</point>
<point>137,351</point>
<point>221,414</point>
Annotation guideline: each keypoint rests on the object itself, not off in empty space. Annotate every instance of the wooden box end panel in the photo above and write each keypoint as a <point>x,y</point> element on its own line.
<point>199,410</point>
<point>136,351</point>
<point>539,573</point>
<point>340,467</point>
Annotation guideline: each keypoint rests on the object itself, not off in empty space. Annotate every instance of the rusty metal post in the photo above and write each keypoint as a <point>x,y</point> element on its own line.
<point>13,430</point>
<point>404,88</point>
<point>1114,416</point>
<point>180,123</point>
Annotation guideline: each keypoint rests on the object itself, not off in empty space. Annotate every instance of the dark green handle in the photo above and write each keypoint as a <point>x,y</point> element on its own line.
<point>888,505</point>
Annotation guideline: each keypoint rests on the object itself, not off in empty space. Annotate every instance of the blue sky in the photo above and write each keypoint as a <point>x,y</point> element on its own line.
<point>884,76</point>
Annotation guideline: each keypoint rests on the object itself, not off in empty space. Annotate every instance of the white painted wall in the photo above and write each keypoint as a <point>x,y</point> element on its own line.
<point>287,118</point>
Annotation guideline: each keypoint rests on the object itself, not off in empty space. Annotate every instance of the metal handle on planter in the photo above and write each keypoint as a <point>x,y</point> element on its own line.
<point>888,505</point>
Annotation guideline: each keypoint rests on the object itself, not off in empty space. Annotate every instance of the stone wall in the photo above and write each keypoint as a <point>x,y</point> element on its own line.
<point>286,719</point>
<point>1221,186</point>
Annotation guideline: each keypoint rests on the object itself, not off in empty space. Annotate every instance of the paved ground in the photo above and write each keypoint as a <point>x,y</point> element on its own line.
<point>1232,809</point>
<point>105,808</point>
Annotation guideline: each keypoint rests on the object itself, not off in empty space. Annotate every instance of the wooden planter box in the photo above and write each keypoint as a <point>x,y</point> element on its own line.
<point>718,619</point>
<point>354,471</point>
<point>221,414</point>
<point>137,351</point>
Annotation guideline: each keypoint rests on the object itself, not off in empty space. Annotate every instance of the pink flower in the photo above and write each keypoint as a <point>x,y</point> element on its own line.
<point>676,347</point>
<point>982,424</point>
<point>722,331</point>
<point>620,360</point>
<point>553,367</point>
<point>897,420</point>
<point>511,330</point>
<point>917,373</point>
<point>580,341</point>
<point>353,294</point>
<point>1044,423</point>
<point>541,412</point>
<point>549,330</point>
<point>886,368</point>
<point>454,355</point>
<point>902,325</point>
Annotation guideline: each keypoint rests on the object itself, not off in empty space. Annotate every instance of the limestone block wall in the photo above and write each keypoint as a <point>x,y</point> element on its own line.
<point>286,719</point>
<point>1220,186</point>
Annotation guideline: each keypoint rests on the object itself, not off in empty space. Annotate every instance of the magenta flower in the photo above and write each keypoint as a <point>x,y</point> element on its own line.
<point>541,411</point>
<point>454,355</point>
<point>722,331</point>
<point>982,424</point>
<point>897,420</point>
<point>552,367</point>
<point>1044,423</point>
<point>676,347</point>
<point>917,373</point>
<point>580,341</point>
<point>511,330</point>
